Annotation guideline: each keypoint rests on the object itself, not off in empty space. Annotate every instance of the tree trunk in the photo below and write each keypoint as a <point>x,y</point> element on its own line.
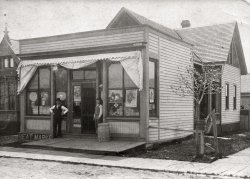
<point>199,134</point>
<point>197,141</point>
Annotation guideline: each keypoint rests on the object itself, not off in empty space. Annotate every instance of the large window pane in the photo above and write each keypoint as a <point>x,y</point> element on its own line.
<point>115,76</point>
<point>32,107</point>
<point>128,83</point>
<point>90,74</point>
<point>44,78</point>
<point>115,104</point>
<point>131,103</point>
<point>38,96</point>
<point>45,103</point>
<point>151,74</point>
<point>61,79</point>
<point>152,89</point>
<point>78,75</point>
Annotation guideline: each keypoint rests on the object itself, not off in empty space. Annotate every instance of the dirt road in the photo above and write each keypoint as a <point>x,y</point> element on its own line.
<point>23,168</point>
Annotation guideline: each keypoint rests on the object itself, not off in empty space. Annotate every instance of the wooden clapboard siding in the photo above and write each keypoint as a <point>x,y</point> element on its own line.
<point>231,75</point>
<point>83,42</point>
<point>41,124</point>
<point>153,129</point>
<point>175,112</point>
<point>35,124</point>
<point>121,128</point>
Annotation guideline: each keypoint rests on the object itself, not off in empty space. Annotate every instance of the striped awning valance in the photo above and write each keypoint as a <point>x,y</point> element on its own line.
<point>131,62</point>
<point>78,59</point>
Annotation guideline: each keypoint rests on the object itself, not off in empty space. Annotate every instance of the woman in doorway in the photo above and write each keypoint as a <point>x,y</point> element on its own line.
<point>58,110</point>
<point>98,113</point>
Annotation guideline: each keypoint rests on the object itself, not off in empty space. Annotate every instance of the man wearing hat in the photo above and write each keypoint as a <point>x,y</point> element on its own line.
<point>58,110</point>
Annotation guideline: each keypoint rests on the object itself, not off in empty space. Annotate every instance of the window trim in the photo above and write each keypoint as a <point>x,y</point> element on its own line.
<point>156,87</point>
<point>235,97</point>
<point>227,96</point>
<point>39,91</point>
<point>123,88</point>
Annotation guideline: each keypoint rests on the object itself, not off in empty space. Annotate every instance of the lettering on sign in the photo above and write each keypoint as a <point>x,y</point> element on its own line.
<point>32,136</point>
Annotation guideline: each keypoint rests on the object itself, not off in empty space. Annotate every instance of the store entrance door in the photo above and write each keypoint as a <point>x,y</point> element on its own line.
<point>84,108</point>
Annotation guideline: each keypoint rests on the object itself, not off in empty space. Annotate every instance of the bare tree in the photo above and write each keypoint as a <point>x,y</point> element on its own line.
<point>199,80</point>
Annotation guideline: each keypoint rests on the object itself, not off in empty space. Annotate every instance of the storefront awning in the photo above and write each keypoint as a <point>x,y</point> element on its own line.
<point>131,62</point>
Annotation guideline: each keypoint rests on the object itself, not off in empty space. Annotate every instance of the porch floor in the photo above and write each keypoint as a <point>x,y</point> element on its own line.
<point>85,145</point>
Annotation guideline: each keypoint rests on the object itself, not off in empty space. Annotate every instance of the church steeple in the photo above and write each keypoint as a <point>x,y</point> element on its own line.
<point>6,33</point>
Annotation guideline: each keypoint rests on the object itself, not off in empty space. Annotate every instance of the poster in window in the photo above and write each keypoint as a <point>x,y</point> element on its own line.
<point>151,96</point>
<point>61,95</point>
<point>131,98</point>
<point>33,96</point>
<point>77,93</point>
<point>45,99</point>
<point>115,96</point>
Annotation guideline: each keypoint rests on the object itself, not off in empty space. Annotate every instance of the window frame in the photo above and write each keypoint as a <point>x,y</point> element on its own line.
<point>227,96</point>
<point>38,91</point>
<point>235,97</point>
<point>123,89</point>
<point>156,97</point>
<point>6,62</point>
<point>65,102</point>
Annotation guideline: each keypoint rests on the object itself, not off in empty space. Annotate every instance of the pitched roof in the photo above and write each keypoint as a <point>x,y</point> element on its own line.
<point>211,43</point>
<point>8,47</point>
<point>245,83</point>
<point>144,21</point>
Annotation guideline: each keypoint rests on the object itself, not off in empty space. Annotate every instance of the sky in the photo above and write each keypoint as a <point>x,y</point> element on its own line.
<point>28,18</point>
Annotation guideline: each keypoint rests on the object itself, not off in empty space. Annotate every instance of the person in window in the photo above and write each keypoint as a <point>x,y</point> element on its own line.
<point>58,110</point>
<point>98,112</point>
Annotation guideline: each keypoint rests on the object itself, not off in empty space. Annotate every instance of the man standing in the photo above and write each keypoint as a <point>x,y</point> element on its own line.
<point>58,110</point>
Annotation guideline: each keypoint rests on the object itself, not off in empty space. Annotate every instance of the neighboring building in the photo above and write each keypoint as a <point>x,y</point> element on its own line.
<point>220,45</point>
<point>9,106</point>
<point>245,92</point>
<point>131,65</point>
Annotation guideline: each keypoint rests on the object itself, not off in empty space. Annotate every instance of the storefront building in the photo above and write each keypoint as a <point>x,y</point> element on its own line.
<point>131,65</point>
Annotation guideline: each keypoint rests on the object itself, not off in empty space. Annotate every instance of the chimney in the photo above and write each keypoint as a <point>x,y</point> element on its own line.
<point>185,24</point>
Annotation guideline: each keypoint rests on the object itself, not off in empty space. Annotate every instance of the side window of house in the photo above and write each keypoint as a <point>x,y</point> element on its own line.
<point>6,63</point>
<point>38,93</point>
<point>123,95</point>
<point>152,88</point>
<point>12,63</point>
<point>235,95</point>
<point>227,96</point>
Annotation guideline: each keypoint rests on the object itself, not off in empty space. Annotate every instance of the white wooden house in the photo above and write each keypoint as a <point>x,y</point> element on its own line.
<point>221,45</point>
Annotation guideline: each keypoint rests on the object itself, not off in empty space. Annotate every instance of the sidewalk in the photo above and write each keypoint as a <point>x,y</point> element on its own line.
<point>237,165</point>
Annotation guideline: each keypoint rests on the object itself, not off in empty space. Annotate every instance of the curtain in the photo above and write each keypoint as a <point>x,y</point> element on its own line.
<point>25,74</point>
<point>134,69</point>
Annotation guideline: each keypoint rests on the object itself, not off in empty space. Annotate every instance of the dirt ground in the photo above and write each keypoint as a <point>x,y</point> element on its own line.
<point>184,150</point>
<point>25,169</point>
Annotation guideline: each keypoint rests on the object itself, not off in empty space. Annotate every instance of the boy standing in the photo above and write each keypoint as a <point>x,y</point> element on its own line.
<point>98,112</point>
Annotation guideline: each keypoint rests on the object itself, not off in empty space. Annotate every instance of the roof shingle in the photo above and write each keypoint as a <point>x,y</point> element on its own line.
<point>211,43</point>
